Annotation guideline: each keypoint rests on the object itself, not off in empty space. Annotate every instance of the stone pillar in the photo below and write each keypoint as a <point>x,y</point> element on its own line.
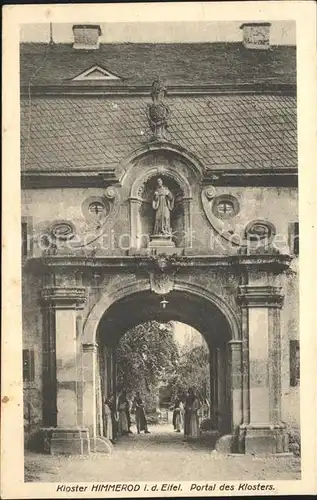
<point>222,390</point>
<point>68,437</point>
<point>89,388</point>
<point>235,347</point>
<point>214,385</point>
<point>262,431</point>
<point>98,443</point>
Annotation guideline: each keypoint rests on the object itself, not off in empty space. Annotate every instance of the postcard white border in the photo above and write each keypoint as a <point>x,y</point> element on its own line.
<point>304,14</point>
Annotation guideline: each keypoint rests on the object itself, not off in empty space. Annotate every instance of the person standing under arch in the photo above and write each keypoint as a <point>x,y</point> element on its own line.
<point>191,423</point>
<point>178,413</point>
<point>140,418</point>
<point>124,414</point>
<point>110,418</point>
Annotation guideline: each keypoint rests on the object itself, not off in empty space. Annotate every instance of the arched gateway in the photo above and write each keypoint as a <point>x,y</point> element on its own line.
<point>187,303</point>
<point>229,290</point>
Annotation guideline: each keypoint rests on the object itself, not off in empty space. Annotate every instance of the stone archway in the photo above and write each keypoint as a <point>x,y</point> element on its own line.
<point>119,310</point>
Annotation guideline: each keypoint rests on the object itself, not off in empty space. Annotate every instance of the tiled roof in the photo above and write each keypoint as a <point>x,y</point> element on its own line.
<point>140,64</point>
<point>241,131</point>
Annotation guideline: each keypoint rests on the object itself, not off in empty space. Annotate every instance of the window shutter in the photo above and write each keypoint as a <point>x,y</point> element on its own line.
<point>294,363</point>
<point>294,238</point>
<point>28,365</point>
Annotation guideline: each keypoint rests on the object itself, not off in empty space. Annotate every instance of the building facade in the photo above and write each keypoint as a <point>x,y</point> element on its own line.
<point>104,241</point>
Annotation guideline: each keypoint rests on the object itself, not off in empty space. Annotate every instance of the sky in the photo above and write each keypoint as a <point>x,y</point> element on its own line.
<point>282,32</point>
<point>185,333</point>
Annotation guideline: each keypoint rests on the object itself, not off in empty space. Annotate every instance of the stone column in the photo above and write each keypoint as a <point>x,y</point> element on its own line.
<point>89,388</point>
<point>68,437</point>
<point>214,385</point>
<point>235,347</point>
<point>98,443</point>
<point>262,431</point>
<point>221,389</point>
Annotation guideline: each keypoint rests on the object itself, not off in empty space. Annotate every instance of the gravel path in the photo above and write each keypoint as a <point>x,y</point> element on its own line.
<point>160,456</point>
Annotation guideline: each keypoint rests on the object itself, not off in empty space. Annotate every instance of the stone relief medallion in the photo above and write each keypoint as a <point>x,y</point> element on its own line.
<point>63,230</point>
<point>260,230</point>
<point>259,236</point>
<point>220,210</point>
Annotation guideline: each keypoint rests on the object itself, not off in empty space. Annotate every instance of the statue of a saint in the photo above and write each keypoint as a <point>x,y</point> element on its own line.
<point>163,204</point>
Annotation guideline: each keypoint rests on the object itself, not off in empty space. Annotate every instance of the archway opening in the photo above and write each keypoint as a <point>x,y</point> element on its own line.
<point>185,308</point>
<point>162,361</point>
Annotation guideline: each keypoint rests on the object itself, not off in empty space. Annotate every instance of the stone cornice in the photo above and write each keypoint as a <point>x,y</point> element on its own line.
<point>273,176</point>
<point>80,178</point>
<point>65,297</point>
<point>219,176</point>
<point>236,263</point>
<point>260,296</point>
<point>85,90</point>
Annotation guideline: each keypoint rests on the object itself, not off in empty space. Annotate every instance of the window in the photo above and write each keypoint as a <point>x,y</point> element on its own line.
<point>28,365</point>
<point>294,362</point>
<point>96,73</point>
<point>225,206</point>
<point>24,237</point>
<point>96,208</point>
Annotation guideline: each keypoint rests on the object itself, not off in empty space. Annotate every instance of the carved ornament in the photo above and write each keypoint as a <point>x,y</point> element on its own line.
<point>224,228</point>
<point>162,283</point>
<point>65,297</point>
<point>260,296</point>
<point>63,230</point>
<point>260,230</point>
<point>158,111</point>
<point>162,269</point>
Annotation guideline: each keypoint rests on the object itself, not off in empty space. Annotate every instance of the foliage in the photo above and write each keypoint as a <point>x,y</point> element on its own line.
<point>147,356</point>
<point>294,441</point>
<point>193,371</point>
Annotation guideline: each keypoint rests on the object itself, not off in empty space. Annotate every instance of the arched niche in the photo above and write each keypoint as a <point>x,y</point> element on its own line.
<point>142,215</point>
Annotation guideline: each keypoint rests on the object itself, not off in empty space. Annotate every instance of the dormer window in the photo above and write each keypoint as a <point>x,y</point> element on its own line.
<point>96,73</point>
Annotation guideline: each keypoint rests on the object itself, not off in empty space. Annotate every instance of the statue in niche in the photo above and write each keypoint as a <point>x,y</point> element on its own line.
<point>163,204</point>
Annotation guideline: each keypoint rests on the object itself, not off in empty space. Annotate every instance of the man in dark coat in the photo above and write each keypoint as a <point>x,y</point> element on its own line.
<point>140,418</point>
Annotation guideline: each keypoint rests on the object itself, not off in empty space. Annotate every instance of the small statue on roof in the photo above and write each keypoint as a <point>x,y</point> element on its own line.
<point>158,111</point>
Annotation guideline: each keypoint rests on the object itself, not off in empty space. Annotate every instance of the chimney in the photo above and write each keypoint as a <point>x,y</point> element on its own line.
<point>86,36</point>
<point>256,35</point>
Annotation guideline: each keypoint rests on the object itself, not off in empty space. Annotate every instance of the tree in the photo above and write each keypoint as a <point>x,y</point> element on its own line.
<point>193,371</point>
<point>147,356</point>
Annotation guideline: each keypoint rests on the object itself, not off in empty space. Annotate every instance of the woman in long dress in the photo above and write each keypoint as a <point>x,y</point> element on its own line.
<point>191,422</point>
<point>123,408</point>
<point>110,419</point>
<point>178,410</point>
